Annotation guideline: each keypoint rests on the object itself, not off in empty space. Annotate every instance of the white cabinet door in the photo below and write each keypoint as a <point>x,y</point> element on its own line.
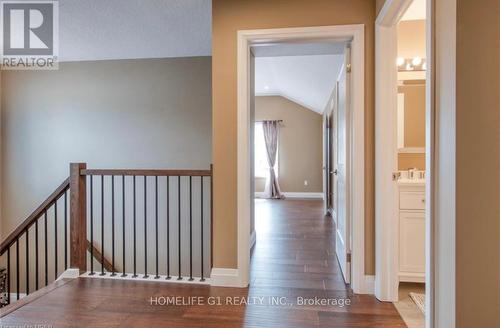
<point>412,242</point>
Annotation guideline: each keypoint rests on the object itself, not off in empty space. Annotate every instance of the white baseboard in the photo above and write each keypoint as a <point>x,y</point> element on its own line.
<point>253,239</point>
<point>69,274</point>
<point>151,277</point>
<point>223,277</point>
<point>13,296</point>
<point>307,195</point>
<point>369,285</point>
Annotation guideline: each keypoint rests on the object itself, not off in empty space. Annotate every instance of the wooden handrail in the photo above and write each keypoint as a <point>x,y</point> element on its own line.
<point>34,216</point>
<point>147,172</point>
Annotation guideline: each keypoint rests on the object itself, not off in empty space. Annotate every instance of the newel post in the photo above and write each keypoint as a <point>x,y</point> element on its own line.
<point>78,217</point>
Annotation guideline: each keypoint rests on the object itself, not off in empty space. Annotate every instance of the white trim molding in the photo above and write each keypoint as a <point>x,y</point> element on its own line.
<point>69,274</point>
<point>300,195</point>
<point>386,148</point>
<point>224,277</point>
<point>340,33</point>
<point>253,239</point>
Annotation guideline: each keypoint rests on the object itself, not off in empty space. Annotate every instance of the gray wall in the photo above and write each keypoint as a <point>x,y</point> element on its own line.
<point>153,113</point>
<point>147,113</point>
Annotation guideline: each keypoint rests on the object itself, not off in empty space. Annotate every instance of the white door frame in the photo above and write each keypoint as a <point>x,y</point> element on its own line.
<point>247,38</point>
<point>386,241</point>
<point>386,82</point>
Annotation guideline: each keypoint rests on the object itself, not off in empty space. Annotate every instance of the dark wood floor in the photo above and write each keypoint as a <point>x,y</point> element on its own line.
<point>294,257</point>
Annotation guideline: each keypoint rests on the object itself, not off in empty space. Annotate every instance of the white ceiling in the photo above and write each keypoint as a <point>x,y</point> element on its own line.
<point>306,80</point>
<point>416,11</point>
<point>122,29</point>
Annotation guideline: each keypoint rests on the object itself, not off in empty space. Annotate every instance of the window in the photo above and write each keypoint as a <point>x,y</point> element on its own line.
<point>261,166</point>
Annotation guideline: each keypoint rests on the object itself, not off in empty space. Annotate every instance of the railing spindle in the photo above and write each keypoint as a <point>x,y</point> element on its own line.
<point>46,250</point>
<point>36,254</point>
<point>8,275</point>
<point>156,224</point>
<point>168,228</point>
<point>27,263</point>
<point>190,228</point>
<point>102,226</point>
<point>145,228</point>
<point>55,240</point>
<point>179,205</point>
<point>91,225</point>
<point>201,222</point>
<point>135,230</point>
<point>123,226</point>
<point>65,230</point>
<point>17,268</point>
<point>112,226</point>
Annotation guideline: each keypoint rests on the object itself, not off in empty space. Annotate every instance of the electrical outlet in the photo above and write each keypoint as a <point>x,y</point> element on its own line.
<point>306,183</point>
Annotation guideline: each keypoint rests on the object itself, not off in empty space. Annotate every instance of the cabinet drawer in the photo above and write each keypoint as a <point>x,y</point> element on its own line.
<point>412,200</point>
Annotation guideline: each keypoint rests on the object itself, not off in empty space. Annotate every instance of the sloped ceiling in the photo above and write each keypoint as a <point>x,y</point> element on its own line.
<point>124,29</point>
<point>307,80</point>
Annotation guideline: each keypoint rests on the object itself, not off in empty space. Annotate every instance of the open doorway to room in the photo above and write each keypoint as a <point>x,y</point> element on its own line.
<point>299,88</point>
<point>401,150</point>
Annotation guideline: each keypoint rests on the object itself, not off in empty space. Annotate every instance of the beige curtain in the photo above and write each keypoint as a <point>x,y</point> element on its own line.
<point>271,134</point>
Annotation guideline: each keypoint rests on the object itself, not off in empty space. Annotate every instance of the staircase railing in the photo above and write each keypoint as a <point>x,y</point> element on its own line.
<point>135,222</point>
<point>35,252</point>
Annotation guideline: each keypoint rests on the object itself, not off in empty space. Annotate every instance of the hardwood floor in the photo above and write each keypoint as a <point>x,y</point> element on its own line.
<point>293,258</point>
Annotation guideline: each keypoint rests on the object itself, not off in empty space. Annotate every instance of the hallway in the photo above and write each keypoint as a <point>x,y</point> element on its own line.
<point>293,260</point>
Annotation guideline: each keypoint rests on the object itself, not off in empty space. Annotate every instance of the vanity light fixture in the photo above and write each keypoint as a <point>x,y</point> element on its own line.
<point>411,64</point>
<point>416,61</point>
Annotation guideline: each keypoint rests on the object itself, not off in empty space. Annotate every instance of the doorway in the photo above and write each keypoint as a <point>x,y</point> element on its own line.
<point>403,150</point>
<point>246,39</point>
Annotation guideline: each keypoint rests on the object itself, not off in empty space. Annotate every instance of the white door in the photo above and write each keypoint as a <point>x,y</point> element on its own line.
<point>342,240</point>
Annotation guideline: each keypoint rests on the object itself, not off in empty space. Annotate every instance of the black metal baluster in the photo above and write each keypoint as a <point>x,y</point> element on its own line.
<point>145,229</point>
<point>201,215</point>
<point>135,229</point>
<point>156,224</point>
<point>91,226</point>
<point>8,275</point>
<point>55,240</point>
<point>190,228</point>
<point>27,263</point>
<point>102,226</point>
<point>113,226</point>
<point>168,227</point>
<point>65,230</point>
<point>17,268</point>
<point>46,250</point>
<point>36,254</point>
<point>179,204</point>
<point>123,226</point>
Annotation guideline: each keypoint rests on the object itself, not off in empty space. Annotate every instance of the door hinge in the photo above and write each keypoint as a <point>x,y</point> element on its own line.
<point>348,258</point>
<point>348,68</point>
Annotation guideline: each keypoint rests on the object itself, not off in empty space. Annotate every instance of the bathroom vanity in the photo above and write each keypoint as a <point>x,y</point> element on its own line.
<point>411,227</point>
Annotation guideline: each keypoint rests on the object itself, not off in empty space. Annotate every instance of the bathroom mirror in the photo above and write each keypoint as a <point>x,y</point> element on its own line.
<point>411,116</point>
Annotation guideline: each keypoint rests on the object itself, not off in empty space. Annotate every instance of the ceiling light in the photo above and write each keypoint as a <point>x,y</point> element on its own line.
<point>416,61</point>
<point>400,61</point>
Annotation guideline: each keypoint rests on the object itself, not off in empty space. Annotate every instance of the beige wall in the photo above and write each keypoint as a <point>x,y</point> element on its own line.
<point>148,113</point>
<point>411,39</point>
<point>477,164</point>
<point>232,15</point>
<point>300,144</point>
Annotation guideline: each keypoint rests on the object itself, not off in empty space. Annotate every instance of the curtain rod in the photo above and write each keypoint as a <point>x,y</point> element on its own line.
<point>281,121</point>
